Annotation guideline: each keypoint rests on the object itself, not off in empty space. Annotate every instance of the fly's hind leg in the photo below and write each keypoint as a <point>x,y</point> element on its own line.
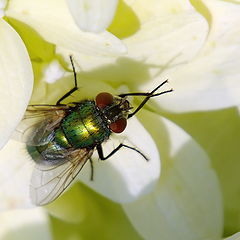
<point>75,88</point>
<point>121,145</point>
<point>92,171</point>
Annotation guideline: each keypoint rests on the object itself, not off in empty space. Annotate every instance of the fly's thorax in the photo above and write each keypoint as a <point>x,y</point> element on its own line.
<point>84,126</point>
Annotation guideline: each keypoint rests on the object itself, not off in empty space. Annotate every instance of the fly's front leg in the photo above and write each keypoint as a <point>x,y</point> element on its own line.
<point>147,96</point>
<point>75,88</point>
<point>101,156</point>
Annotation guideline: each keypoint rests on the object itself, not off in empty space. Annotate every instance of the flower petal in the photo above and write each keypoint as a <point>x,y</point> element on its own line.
<point>15,173</point>
<point>16,80</point>
<point>92,217</point>
<point>92,15</point>
<point>186,204</point>
<point>204,78</point>
<point>2,6</point>
<point>53,72</point>
<point>168,30</point>
<point>210,80</point>
<point>234,237</point>
<point>218,133</point>
<point>164,38</point>
<point>52,20</point>
<point>126,175</point>
<point>25,224</point>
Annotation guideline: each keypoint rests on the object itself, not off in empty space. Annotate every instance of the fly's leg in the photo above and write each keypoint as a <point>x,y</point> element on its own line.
<point>75,88</point>
<point>91,165</point>
<point>148,96</point>
<point>101,156</point>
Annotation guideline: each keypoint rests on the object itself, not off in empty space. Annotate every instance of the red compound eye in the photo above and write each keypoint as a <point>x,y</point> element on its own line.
<point>103,99</point>
<point>119,125</point>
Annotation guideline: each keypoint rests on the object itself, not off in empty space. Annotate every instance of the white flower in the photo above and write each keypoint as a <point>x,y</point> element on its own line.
<point>16,80</point>
<point>25,224</point>
<point>195,46</point>
<point>54,23</point>
<point>234,237</point>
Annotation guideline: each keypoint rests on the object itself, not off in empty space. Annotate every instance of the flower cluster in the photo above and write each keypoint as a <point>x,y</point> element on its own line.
<point>189,188</point>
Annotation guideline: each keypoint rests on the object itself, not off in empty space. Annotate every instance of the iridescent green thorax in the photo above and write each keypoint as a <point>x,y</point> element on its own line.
<point>83,127</point>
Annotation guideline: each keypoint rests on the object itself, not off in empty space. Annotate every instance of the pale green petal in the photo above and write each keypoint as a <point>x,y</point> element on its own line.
<point>53,21</point>
<point>92,15</point>
<point>168,30</point>
<point>194,46</point>
<point>25,224</point>
<point>210,79</point>
<point>146,11</point>
<point>87,63</point>
<point>53,72</point>
<point>2,6</point>
<point>15,173</point>
<point>87,215</point>
<point>165,39</point>
<point>16,80</point>
<point>186,203</point>
<point>218,132</point>
<point>233,237</point>
<point>126,175</point>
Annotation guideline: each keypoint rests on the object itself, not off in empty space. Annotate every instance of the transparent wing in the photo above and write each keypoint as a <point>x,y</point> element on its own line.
<point>38,122</point>
<point>49,182</point>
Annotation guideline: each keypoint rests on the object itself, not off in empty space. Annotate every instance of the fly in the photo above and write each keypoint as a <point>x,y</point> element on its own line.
<point>61,138</point>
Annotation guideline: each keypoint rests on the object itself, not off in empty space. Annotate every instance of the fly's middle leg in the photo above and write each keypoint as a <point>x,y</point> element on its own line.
<point>92,170</point>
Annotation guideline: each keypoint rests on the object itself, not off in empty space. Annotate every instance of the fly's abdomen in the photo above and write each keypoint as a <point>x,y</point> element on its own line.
<point>51,153</point>
<point>85,127</point>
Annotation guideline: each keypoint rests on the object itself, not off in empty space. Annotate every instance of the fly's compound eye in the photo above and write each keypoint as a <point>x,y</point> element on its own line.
<point>104,99</point>
<point>119,125</point>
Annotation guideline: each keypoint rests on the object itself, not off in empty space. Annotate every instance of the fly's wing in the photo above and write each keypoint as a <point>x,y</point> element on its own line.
<point>38,123</point>
<point>48,182</point>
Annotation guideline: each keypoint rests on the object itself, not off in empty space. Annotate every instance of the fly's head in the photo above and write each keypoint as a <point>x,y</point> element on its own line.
<point>115,110</point>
